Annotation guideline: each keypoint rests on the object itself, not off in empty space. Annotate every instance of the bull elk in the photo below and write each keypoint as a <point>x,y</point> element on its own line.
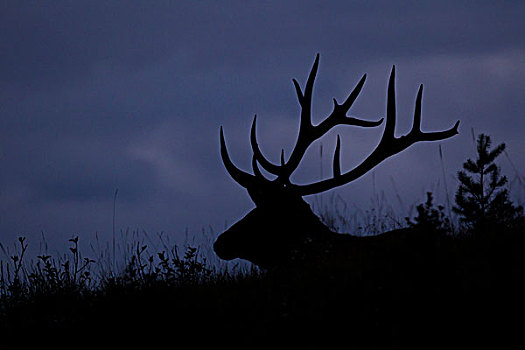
<point>282,228</point>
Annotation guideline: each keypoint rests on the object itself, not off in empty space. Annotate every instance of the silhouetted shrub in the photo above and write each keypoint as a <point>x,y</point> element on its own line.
<point>430,218</point>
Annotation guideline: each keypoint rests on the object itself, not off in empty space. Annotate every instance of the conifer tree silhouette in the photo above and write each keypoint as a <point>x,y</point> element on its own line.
<point>482,201</point>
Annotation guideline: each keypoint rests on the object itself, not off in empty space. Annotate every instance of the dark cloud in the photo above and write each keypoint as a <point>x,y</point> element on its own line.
<point>96,96</point>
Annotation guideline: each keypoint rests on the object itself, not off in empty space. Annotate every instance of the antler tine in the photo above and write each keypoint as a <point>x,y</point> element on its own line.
<point>242,178</point>
<point>305,100</point>
<point>416,126</point>
<point>255,168</point>
<point>390,124</point>
<point>388,145</point>
<point>337,158</point>
<point>258,156</point>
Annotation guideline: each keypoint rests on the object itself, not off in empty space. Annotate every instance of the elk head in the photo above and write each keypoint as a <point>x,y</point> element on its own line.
<point>282,224</point>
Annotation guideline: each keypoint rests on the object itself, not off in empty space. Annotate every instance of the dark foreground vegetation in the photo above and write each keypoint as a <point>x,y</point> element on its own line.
<point>469,290</point>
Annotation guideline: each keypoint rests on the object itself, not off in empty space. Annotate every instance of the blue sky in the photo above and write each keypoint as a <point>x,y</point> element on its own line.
<point>99,95</point>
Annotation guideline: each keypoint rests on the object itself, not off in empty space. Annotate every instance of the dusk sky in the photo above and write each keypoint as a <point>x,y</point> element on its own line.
<point>100,95</point>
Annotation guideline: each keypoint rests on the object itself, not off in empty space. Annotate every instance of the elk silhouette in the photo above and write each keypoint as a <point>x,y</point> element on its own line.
<point>282,229</point>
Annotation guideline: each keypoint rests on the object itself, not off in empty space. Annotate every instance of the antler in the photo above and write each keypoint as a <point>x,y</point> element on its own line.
<point>388,146</point>
<point>308,133</point>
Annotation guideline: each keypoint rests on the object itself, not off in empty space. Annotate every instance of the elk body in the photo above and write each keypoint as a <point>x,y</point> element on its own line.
<point>282,229</point>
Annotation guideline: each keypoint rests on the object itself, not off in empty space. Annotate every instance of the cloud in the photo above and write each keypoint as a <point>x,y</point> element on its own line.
<point>172,153</point>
